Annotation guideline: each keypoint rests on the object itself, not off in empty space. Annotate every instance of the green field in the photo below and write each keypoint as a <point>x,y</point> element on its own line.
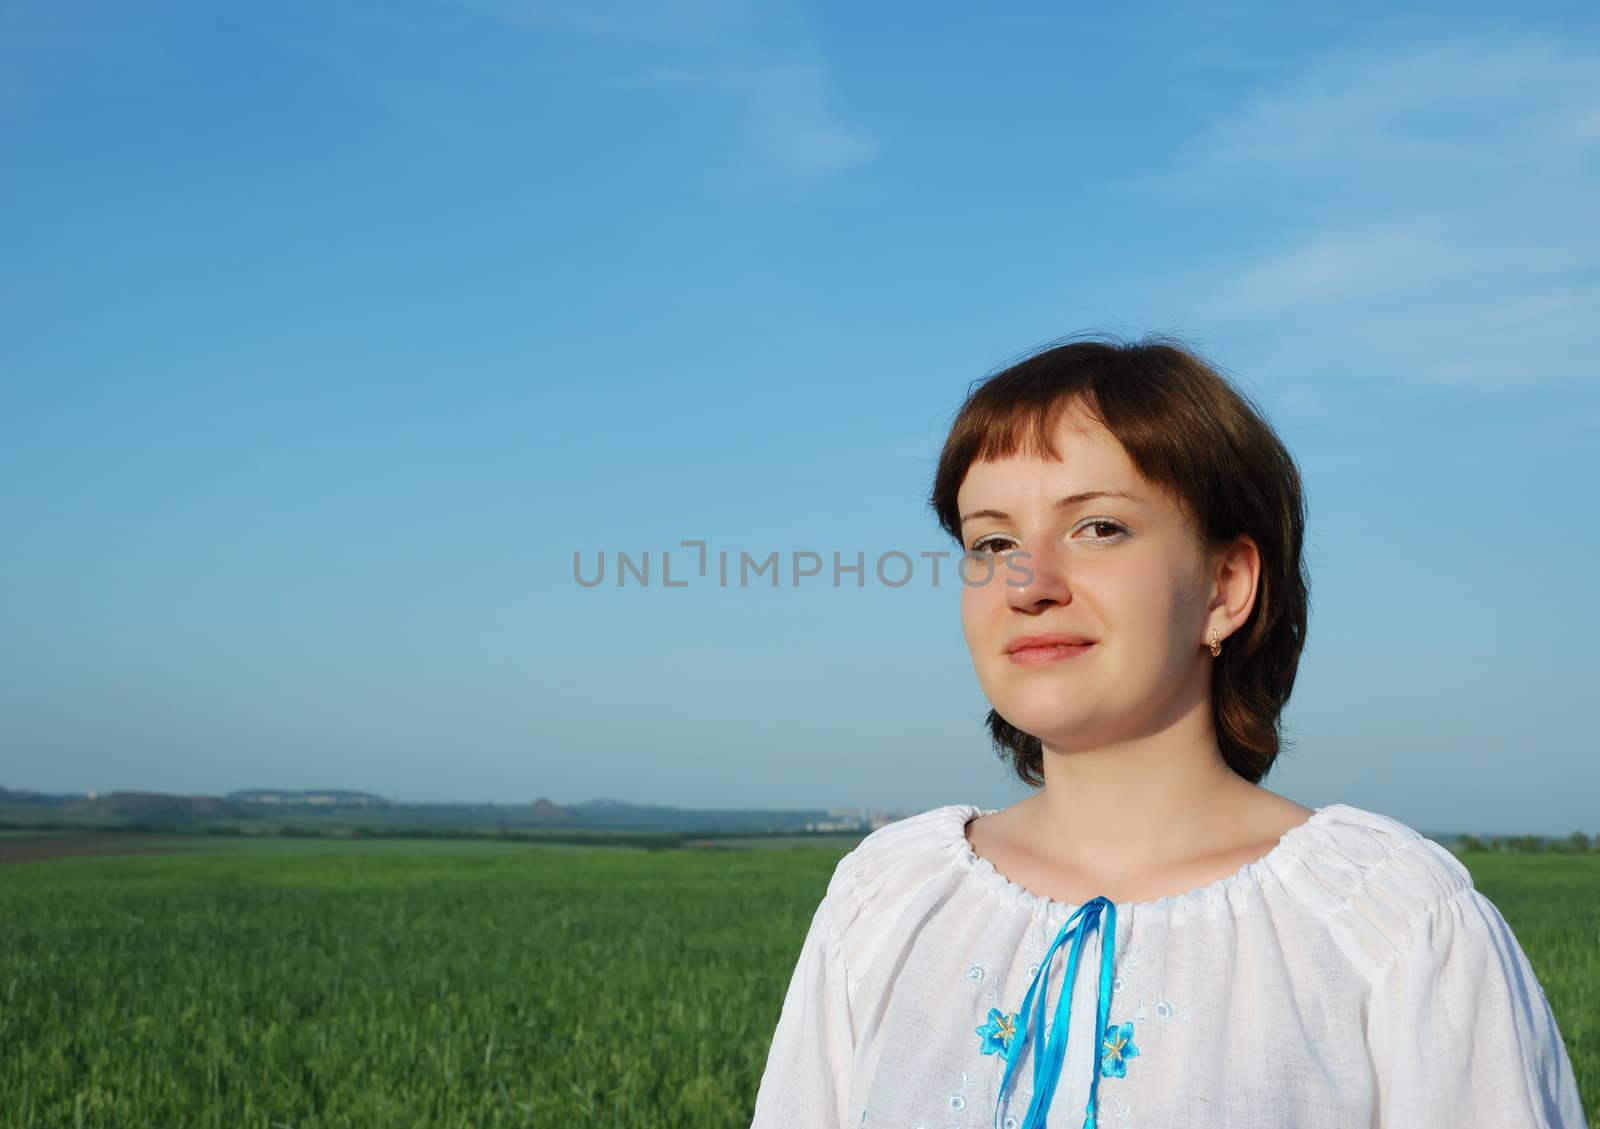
<point>319,983</point>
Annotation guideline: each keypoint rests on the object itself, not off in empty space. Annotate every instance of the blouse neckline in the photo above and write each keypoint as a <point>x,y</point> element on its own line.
<point>953,831</point>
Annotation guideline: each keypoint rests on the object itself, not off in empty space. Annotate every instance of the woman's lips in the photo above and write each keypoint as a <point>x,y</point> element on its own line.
<point>1044,656</point>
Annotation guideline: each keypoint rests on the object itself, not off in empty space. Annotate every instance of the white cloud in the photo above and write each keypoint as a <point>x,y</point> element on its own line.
<point>774,82</point>
<point>1334,268</point>
<point>1467,103</point>
<point>792,121</point>
<point>1405,261</point>
<point>740,68</point>
<point>1456,236</point>
<point>1539,336</point>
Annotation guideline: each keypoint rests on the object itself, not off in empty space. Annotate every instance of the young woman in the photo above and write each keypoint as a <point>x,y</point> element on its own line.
<point>1150,940</point>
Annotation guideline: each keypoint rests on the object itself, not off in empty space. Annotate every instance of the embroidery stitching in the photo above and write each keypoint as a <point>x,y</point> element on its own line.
<point>999,1032</point>
<point>1117,1047</point>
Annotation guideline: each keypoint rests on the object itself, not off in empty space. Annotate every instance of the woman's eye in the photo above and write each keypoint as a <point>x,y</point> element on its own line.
<point>978,546</point>
<point>1106,523</point>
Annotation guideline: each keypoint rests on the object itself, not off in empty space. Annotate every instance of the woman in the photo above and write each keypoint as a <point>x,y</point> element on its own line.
<point>1151,940</point>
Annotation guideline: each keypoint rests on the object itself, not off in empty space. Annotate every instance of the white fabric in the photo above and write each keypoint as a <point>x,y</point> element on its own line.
<point>1353,977</point>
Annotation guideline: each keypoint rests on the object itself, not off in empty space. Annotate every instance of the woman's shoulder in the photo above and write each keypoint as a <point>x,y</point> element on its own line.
<point>901,862</point>
<point>926,841</point>
<point>1371,877</point>
<point>1350,849</point>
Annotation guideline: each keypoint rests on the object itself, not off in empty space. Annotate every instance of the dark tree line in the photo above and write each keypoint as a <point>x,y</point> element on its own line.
<point>1577,843</point>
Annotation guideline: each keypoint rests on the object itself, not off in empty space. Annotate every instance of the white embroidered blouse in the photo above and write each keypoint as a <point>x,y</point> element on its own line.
<point>1352,977</point>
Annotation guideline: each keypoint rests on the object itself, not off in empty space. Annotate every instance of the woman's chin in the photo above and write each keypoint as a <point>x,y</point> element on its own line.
<point>1048,723</point>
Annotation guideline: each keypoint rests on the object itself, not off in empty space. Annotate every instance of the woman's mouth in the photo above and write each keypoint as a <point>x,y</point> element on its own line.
<point>1045,654</point>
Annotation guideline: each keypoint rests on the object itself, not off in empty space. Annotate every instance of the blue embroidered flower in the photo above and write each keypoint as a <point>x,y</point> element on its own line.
<point>998,1032</point>
<point>1119,1047</point>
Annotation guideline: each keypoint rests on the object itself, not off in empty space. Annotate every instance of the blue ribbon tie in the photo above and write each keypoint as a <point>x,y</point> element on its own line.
<point>1047,1066</point>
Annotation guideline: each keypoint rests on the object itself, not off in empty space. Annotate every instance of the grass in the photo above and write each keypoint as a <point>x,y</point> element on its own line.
<point>1552,903</point>
<point>369,984</point>
<point>372,983</point>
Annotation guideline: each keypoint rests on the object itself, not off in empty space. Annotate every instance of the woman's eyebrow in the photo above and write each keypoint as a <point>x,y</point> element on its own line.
<point>1062,504</point>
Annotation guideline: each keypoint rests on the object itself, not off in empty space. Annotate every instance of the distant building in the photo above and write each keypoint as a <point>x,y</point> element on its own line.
<point>326,798</point>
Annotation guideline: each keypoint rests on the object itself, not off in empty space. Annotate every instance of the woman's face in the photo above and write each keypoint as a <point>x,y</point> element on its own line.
<point>1126,573</point>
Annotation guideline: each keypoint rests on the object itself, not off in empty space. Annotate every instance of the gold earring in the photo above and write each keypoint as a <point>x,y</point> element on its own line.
<point>1216,647</point>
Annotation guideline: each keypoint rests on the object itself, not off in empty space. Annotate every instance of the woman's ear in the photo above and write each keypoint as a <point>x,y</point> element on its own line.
<point>1237,575</point>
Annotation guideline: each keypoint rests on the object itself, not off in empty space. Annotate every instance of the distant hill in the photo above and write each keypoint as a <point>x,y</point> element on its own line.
<point>29,796</point>
<point>334,808</point>
<point>20,808</point>
<point>157,807</point>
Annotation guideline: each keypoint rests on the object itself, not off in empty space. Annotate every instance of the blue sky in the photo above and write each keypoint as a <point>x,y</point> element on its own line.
<point>329,333</point>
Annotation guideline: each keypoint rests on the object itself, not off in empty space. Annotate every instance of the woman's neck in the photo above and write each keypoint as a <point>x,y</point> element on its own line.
<point>1140,805</point>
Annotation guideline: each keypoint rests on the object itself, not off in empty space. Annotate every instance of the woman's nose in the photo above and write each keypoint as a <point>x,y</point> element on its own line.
<point>1034,579</point>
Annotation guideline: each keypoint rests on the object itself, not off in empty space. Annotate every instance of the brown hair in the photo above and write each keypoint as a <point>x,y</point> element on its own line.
<point>1192,434</point>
